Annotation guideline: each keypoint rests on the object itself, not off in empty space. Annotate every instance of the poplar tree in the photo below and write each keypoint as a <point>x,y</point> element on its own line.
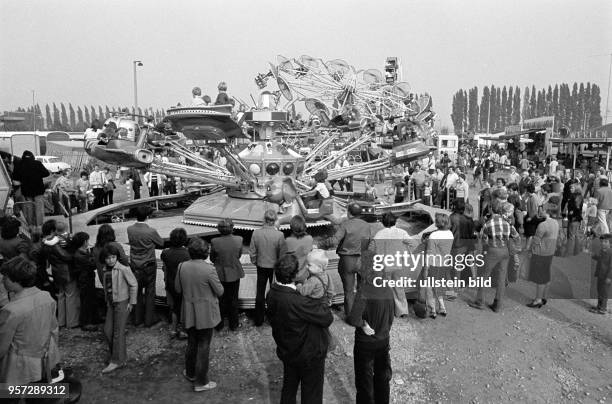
<point>65,123</point>
<point>73,124</point>
<point>48,119</point>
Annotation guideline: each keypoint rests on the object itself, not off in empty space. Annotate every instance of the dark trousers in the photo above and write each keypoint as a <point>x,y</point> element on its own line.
<point>145,304</point>
<point>603,291</point>
<point>197,354</point>
<point>136,189</point>
<point>348,268</point>
<point>154,190</point>
<point>98,197</point>
<point>228,303</point>
<point>89,307</point>
<point>264,276</point>
<point>372,374</point>
<point>310,376</point>
<point>108,197</point>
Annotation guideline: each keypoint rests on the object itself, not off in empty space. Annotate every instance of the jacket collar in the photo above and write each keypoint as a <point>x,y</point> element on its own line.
<point>51,241</point>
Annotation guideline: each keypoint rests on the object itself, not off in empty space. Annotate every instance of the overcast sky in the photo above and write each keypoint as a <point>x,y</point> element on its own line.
<point>81,52</point>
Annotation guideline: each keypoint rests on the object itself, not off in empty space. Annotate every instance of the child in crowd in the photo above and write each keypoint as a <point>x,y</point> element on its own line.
<point>591,215</point>
<point>85,274</point>
<point>319,283</point>
<point>120,289</point>
<point>370,190</point>
<point>82,189</point>
<point>603,273</point>
<point>62,234</point>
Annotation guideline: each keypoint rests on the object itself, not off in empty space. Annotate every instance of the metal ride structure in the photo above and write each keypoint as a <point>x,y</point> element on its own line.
<point>341,95</point>
<point>266,174</point>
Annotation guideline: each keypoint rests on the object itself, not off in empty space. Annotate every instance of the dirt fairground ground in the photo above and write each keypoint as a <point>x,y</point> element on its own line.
<point>560,353</point>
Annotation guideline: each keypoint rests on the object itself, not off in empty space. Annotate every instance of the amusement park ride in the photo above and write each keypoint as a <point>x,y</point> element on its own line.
<point>268,173</point>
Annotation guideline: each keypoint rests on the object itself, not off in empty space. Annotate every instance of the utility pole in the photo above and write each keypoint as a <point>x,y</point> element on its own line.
<point>608,97</point>
<point>34,111</point>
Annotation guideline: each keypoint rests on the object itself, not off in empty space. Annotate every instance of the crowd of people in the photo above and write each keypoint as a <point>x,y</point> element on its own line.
<point>519,224</point>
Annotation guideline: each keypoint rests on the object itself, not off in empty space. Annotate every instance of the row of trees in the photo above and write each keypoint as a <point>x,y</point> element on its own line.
<point>70,119</point>
<point>577,109</point>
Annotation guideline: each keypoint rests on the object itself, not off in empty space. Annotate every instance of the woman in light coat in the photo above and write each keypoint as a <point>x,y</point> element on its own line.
<point>199,283</point>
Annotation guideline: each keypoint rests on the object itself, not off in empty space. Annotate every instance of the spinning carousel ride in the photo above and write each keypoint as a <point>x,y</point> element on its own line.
<point>268,174</point>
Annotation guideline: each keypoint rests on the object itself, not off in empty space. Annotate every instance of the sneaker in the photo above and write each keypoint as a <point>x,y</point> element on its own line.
<point>110,368</point>
<point>191,379</point>
<point>206,387</point>
<point>602,311</point>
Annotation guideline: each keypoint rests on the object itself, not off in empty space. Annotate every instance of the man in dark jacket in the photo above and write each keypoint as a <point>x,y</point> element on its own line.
<point>348,238</point>
<point>299,328</point>
<point>372,317</point>
<point>143,241</point>
<point>29,173</point>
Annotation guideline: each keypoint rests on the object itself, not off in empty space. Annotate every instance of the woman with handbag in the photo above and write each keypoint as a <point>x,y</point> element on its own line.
<point>543,246</point>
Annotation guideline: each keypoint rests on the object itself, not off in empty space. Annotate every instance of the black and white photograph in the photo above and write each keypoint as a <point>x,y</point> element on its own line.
<point>343,201</point>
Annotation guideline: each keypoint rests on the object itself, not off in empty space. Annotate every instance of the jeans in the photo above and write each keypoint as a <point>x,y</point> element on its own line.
<point>108,197</point>
<point>228,303</point>
<point>573,247</point>
<point>197,354</point>
<point>114,330</point>
<point>348,269</point>
<point>310,375</point>
<point>399,295</point>
<point>145,305</point>
<point>264,276</point>
<point>68,304</point>
<point>34,210</point>
<point>495,259</point>
<point>372,374</point>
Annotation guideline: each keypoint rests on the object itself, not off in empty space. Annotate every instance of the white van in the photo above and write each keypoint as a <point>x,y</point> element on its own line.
<point>448,144</point>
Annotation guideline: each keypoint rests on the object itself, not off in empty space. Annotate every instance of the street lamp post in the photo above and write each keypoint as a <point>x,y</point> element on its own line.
<point>136,63</point>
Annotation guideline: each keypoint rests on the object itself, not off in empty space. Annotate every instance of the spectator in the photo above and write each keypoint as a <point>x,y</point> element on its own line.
<point>495,234</point>
<point>348,239</point>
<point>83,189</point>
<point>143,241</point>
<point>172,257</point>
<point>29,174</point>
<point>86,279</point>
<point>299,243</point>
<point>199,284</point>
<point>603,274</point>
<point>154,182</point>
<point>66,191</point>
<point>574,217</point>
<point>28,326</point>
<point>372,317</point>
<point>267,246</point>
<point>604,205</point>
<point>225,254</point>
<point>299,328</point>
<point>543,246</point>
<point>109,188</point>
<point>106,235</point>
<point>462,189</point>
<point>60,260</point>
<point>463,231</point>
<point>97,181</point>
<point>120,288</point>
<point>389,241</point>
<point>439,246</point>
